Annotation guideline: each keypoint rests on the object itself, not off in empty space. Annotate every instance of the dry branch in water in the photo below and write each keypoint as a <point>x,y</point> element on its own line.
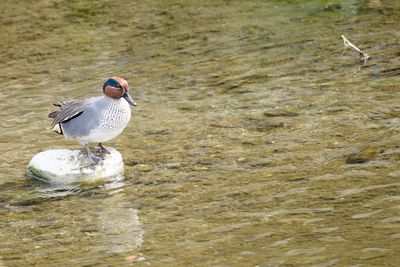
<point>363,56</point>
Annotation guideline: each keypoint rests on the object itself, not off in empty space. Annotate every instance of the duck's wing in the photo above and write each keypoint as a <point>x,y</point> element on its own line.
<point>68,111</point>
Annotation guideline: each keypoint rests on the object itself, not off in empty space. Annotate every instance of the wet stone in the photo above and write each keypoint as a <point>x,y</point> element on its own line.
<point>252,142</point>
<point>280,113</point>
<point>331,7</point>
<point>65,166</point>
<point>158,132</point>
<point>362,156</point>
<point>261,125</point>
<point>175,165</point>
<point>143,167</point>
<point>132,162</point>
<point>336,109</point>
<point>199,168</point>
<point>242,160</point>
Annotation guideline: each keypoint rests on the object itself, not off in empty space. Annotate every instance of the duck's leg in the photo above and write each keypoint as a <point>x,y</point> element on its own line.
<point>93,157</point>
<point>103,150</point>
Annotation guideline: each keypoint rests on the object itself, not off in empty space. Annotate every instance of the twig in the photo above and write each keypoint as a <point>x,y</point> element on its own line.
<point>363,56</point>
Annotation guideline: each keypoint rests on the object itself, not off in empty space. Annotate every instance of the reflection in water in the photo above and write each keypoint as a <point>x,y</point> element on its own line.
<point>114,185</point>
<point>98,223</point>
<point>120,226</point>
<point>115,219</point>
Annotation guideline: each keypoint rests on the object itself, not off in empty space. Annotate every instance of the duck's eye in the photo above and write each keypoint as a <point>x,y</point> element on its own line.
<point>117,85</point>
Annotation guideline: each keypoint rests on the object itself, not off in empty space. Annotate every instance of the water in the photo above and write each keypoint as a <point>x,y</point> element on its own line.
<point>254,143</point>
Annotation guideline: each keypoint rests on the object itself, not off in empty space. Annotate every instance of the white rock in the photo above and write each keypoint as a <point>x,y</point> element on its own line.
<point>64,166</point>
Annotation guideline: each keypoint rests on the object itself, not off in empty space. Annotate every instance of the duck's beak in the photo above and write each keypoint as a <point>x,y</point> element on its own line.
<point>129,99</point>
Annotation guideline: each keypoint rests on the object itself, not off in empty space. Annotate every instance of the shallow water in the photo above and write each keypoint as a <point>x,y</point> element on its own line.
<point>254,143</point>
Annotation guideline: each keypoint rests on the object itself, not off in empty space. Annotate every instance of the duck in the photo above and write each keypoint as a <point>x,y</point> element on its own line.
<point>96,119</point>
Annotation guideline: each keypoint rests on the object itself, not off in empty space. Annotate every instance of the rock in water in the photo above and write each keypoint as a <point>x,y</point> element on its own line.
<point>64,166</point>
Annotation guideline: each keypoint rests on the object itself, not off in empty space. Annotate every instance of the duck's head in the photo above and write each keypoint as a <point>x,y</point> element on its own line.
<point>117,87</point>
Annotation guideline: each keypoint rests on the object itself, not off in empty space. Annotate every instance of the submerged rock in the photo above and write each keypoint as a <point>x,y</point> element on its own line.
<point>363,155</point>
<point>65,166</point>
<point>143,167</point>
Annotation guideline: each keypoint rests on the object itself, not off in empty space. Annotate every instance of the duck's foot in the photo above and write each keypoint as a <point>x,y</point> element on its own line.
<point>96,154</point>
<point>102,149</point>
<point>95,159</point>
<point>99,151</point>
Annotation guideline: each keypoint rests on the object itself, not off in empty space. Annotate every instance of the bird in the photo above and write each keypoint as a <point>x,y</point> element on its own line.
<point>96,119</point>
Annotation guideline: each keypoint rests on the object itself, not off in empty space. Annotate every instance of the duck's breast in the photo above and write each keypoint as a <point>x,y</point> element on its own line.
<point>103,119</point>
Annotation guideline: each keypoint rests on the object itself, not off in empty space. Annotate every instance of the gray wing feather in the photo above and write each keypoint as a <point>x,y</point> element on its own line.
<point>68,111</point>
